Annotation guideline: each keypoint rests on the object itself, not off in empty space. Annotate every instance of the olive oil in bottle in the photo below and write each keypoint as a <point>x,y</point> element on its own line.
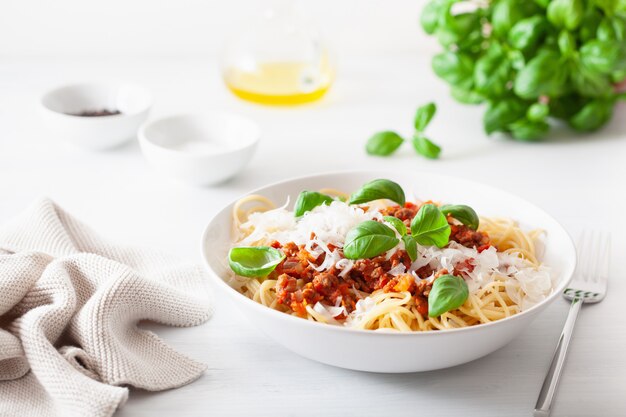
<point>278,60</point>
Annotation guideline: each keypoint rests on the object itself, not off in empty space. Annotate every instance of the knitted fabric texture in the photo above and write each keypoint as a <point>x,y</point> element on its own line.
<point>69,306</point>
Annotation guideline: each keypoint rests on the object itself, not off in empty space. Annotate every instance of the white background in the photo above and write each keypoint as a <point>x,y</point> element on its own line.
<point>170,47</point>
<point>194,28</point>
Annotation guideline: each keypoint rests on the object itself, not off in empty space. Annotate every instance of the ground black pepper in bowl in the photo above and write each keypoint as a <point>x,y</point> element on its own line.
<point>96,113</point>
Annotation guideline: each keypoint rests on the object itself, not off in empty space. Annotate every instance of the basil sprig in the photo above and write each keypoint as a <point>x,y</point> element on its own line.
<point>387,142</point>
<point>430,227</point>
<point>254,261</point>
<point>464,214</point>
<point>448,292</point>
<point>369,239</point>
<point>377,190</point>
<point>308,200</point>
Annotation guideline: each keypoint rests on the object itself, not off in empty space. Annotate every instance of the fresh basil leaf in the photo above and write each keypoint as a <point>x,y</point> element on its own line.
<point>528,130</point>
<point>423,116</point>
<point>593,115</point>
<point>431,14</point>
<point>606,30</point>
<point>254,261</point>
<point>464,214</point>
<point>504,15</point>
<point>567,106</point>
<point>473,42</point>
<point>538,112</point>
<point>589,83</point>
<point>425,147</point>
<point>457,28</point>
<point>517,59</point>
<point>603,56</point>
<point>410,245</point>
<point>396,223</point>
<point>377,190</point>
<point>466,96</point>
<point>608,6</point>
<point>492,72</point>
<point>455,68</point>
<point>566,13</point>
<point>619,27</point>
<point>501,113</point>
<point>567,43</point>
<point>430,227</point>
<point>369,239</point>
<point>618,76</point>
<point>589,25</point>
<point>308,200</point>
<point>448,292</point>
<point>383,143</point>
<point>526,33</point>
<point>545,74</point>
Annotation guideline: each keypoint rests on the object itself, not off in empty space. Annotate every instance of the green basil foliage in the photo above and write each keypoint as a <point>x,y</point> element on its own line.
<point>456,68</point>
<point>538,112</point>
<point>430,227</point>
<point>397,224</point>
<point>254,261</point>
<point>566,14</point>
<point>387,142</point>
<point>544,75</point>
<point>530,61</point>
<point>464,214</point>
<point>377,190</point>
<point>448,292</point>
<point>423,116</point>
<point>526,33</point>
<point>410,245</point>
<point>426,147</point>
<point>369,239</point>
<point>593,115</point>
<point>383,143</point>
<point>308,200</point>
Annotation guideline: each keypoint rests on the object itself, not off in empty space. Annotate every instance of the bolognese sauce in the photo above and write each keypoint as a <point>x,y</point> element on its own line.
<point>332,287</point>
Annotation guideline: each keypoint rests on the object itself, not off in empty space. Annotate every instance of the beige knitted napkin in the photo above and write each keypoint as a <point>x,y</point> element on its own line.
<point>69,306</point>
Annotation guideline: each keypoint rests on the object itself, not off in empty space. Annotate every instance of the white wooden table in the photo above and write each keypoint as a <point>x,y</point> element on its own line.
<point>580,180</point>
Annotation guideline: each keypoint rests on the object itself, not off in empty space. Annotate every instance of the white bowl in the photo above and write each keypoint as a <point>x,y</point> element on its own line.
<point>201,149</point>
<point>368,350</point>
<point>61,106</point>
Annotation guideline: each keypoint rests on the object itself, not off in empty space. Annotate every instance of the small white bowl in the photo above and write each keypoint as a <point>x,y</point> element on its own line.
<point>61,107</point>
<point>374,351</point>
<point>201,149</point>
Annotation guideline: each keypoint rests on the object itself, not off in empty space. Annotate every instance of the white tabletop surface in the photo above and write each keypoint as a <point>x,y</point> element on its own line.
<point>580,180</point>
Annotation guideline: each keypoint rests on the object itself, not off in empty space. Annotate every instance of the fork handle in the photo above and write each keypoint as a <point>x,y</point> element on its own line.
<point>546,395</point>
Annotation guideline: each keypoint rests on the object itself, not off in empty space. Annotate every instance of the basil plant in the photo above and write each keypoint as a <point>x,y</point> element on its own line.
<point>531,61</point>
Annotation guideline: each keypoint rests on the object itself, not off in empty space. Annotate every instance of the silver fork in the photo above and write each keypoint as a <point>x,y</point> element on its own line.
<point>588,286</point>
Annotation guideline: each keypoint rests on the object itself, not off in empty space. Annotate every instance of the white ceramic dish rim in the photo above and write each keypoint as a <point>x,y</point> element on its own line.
<point>182,153</point>
<point>381,174</point>
<point>146,92</point>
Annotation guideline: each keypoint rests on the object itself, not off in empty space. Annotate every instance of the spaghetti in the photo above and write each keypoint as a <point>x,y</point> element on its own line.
<point>388,292</point>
